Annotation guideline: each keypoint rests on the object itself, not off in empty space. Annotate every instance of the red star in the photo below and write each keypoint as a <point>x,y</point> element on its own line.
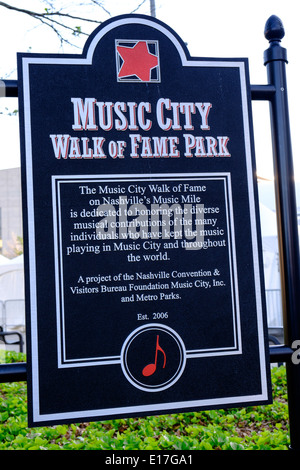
<point>137,61</point>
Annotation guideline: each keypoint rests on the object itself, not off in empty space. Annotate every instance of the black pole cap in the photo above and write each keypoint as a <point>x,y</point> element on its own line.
<point>274,32</point>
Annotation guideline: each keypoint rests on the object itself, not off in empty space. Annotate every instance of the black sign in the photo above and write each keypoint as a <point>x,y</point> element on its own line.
<point>144,276</point>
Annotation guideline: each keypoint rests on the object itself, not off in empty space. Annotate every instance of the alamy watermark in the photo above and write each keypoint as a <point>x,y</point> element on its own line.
<point>296,353</point>
<point>2,89</point>
<point>190,224</point>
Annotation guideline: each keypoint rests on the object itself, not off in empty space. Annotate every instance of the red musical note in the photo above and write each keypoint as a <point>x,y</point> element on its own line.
<point>151,368</point>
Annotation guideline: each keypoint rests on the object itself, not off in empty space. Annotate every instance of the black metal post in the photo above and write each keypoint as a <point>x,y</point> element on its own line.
<point>275,60</point>
<point>15,372</point>
<point>10,88</point>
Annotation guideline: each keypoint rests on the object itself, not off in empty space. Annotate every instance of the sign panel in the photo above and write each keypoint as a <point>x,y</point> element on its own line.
<point>144,276</point>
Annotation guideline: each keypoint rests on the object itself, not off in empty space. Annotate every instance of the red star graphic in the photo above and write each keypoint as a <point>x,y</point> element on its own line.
<point>137,61</point>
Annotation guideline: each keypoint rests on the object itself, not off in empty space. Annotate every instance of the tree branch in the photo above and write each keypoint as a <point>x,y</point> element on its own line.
<point>47,13</point>
<point>61,21</point>
<point>51,19</point>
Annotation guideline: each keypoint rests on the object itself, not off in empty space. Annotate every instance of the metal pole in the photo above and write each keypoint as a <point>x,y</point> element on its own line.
<point>15,372</point>
<point>275,60</point>
<point>152,8</point>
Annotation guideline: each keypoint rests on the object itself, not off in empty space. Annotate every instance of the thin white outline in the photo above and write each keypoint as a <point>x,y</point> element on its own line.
<point>65,179</point>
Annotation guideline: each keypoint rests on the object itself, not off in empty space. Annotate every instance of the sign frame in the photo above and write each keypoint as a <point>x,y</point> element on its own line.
<point>27,62</point>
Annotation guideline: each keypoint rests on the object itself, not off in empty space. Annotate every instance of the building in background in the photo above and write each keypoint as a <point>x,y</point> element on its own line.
<point>11,231</point>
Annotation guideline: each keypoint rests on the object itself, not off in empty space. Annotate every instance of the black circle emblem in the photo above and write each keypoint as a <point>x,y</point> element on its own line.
<point>153,357</point>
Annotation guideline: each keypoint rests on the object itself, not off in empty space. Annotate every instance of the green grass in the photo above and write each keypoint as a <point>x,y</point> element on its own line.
<point>251,428</point>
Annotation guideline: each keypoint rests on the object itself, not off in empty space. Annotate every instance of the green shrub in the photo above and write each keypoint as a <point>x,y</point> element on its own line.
<point>251,428</point>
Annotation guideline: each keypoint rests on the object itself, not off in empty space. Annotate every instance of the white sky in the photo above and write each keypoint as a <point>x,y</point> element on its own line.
<point>217,28</point>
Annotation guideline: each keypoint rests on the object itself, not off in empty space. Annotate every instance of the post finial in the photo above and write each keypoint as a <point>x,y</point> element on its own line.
<point>274,30</point>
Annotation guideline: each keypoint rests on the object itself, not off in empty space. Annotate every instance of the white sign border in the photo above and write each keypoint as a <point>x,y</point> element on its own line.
<point>26,62</point>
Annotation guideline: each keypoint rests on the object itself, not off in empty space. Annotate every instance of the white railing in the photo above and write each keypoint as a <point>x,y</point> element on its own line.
<point>12,315</point>
<point>274,308</point>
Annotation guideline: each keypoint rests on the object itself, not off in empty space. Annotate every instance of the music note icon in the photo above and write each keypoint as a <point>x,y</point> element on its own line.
<point>151,368</point>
